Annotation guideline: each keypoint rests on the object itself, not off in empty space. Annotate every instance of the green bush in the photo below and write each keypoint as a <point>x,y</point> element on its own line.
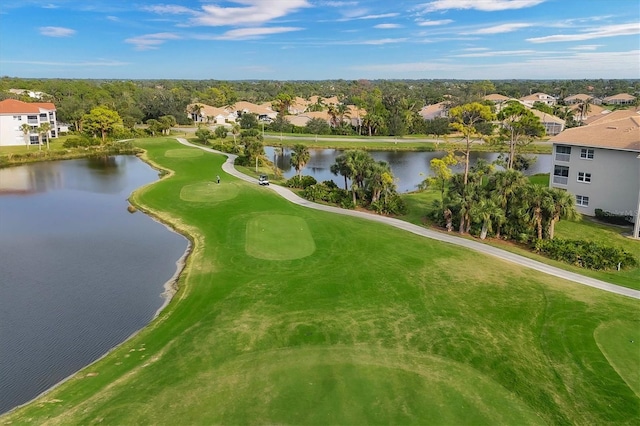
<point>78,142</point>
<point>615,219</point>
<point>586,254</point>
<point>318,192</point>
<point>301,182</point>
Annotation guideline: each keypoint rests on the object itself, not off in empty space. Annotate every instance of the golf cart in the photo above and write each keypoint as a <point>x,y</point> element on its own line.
<point>263,180</point>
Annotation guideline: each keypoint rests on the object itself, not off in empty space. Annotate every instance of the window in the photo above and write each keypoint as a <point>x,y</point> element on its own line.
<point>586,153</point>
<point>584,177</point>
<point>563,153</point>
<point>17,117</point>
<point>33,140</point>
<point>582,200</point>
<point>560,175</point>
<point>32,119</point>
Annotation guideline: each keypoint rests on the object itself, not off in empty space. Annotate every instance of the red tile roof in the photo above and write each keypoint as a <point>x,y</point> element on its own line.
<point>12,106</point>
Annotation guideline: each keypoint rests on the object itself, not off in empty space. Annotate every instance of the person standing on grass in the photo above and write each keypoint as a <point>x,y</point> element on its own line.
<point>218,179</point>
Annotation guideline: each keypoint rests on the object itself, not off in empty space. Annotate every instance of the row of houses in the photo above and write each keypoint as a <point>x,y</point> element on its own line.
<point>300,112</point>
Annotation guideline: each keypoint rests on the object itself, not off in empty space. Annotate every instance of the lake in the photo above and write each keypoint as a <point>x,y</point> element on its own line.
<point>409,168</point>
<point>78,273</point>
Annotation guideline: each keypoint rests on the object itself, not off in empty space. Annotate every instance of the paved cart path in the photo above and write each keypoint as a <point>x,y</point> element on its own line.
<point>286,193</point>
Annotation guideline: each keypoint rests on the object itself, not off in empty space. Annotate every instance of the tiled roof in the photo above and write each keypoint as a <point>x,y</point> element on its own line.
<point>495,97</point>
<point>619,130</point>
<point>578,97</point>
<point>13,106</point>
<point>546,118</point>
<point>619,96</point>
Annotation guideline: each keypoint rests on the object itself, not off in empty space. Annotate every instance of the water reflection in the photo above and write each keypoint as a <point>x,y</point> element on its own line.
<point>409,168</point>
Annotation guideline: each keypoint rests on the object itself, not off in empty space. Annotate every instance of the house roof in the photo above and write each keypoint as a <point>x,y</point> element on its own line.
<point>536,97</point>
<point>578,97</point>
<point>13,106</point>
<point>546,118</point>
<point>495,97</point>
<point>613,131</point>
<point>619,96</point>
<point>594,110</point>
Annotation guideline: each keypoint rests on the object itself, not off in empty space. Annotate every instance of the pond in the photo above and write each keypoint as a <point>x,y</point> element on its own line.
<point>79,272</point>
<point>409,168</point>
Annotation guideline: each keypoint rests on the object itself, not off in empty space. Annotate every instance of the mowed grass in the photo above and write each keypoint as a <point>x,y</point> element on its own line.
<point>375,325</point>
<point>419,203</point>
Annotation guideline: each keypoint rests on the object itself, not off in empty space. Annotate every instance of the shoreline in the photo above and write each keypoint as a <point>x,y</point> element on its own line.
<point>170,287</point>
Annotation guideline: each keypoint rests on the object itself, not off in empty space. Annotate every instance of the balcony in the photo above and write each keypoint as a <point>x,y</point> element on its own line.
<point>560,180</point>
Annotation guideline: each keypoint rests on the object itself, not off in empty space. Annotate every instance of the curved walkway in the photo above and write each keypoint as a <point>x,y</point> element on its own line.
<point>229,168</point>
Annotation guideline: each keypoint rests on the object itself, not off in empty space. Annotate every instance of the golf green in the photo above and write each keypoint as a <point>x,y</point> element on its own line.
<point>209,192</point>
<point>619,341</point>
<point>265,234</point>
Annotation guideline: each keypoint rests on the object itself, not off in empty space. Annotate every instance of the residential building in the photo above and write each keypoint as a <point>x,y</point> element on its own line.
<point>581,97</point>
<point>538,97</point>
<point>202,113</point>
<point>441,109</point>
<point>14,113</point>
<point>620,99</point>
<point>600,164</point>
<point>499,100</point>
<point>552,125</point>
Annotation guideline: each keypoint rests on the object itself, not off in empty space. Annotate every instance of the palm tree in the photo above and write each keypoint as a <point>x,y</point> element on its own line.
<point>43,130</point>
<point>584,108</point>
<point>235,131</point>
<point>359,162</point>
<point>340,167</point>
<point>503,186</point>
<point>299,157</point>
<point>537,206</point>
<point>564,207</point>
<point>26,129</point>
<point>380,180</point>
<point>485,211</point>
<point>333,115</point>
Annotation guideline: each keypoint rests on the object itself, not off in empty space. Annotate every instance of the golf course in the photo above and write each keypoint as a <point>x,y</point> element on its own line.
<point>288,315</point>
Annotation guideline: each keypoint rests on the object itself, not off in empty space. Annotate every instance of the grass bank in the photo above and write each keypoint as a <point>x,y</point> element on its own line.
<point>293,316</point>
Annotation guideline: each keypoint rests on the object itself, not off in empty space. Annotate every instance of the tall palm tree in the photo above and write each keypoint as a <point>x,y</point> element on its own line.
<point>340,167</point>
<point>380,180</point>
<point>537,206</point>
<point>504,185</point>
<point>26,129</point>
<point>300,157</point>
<point>486,211</point>
<point>564,207</point>
<point>584,108</point>
<point>359,162</point>
<point>235,132</point>
<point>44,130</point>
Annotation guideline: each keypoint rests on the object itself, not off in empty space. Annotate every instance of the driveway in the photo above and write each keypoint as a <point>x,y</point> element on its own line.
<point>286,193</point>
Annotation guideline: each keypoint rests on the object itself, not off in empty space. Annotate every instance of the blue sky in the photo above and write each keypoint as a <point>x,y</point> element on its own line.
<point>320,39</point>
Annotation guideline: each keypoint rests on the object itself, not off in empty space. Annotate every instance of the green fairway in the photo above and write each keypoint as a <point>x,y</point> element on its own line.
<point>287,315</point>
<point>183,153</point>
<point>620,342</point>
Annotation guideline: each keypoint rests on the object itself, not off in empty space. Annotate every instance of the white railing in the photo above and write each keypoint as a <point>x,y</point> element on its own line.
<point>560,180</point>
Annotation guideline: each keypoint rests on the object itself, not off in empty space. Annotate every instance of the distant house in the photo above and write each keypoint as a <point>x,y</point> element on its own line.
<point>594,111</point>
<point>581,97</point>
<point>619,99</point>
<point>14,113</point>
<point>498,100</point>
<point>30,93</point>
<point>264,112</point>
<point>552,124</point>
<point>538,97</point>
<point>209,114</point>
<point>441,109</point>
<point>599,163</point>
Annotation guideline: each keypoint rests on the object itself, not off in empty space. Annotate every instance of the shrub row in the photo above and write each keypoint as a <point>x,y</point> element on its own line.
<point>615,219</point>
<point>586,254</point>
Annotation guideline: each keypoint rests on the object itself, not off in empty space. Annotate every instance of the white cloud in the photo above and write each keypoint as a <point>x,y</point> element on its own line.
<point>483,5</point>
<point>151,41</point>
<point>586,47</point>
<point>383,41</point>
<point>387,26</point>
<point>252,33</point>
<point>495,53</point>
<point>499,29</point>
<point>164,9</point>
<point>434,23</point>
<point>56,31</point>
<point>251,12</point>
<point>338,3</point>
<point>605,31</point>
<point>381,16</point>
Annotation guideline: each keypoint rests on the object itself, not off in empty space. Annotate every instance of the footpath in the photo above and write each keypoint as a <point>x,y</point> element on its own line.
<point>286,193</point>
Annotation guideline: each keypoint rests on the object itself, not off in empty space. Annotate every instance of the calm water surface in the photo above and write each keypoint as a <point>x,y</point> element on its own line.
<point>409,168</point>
<point>78,273</point>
